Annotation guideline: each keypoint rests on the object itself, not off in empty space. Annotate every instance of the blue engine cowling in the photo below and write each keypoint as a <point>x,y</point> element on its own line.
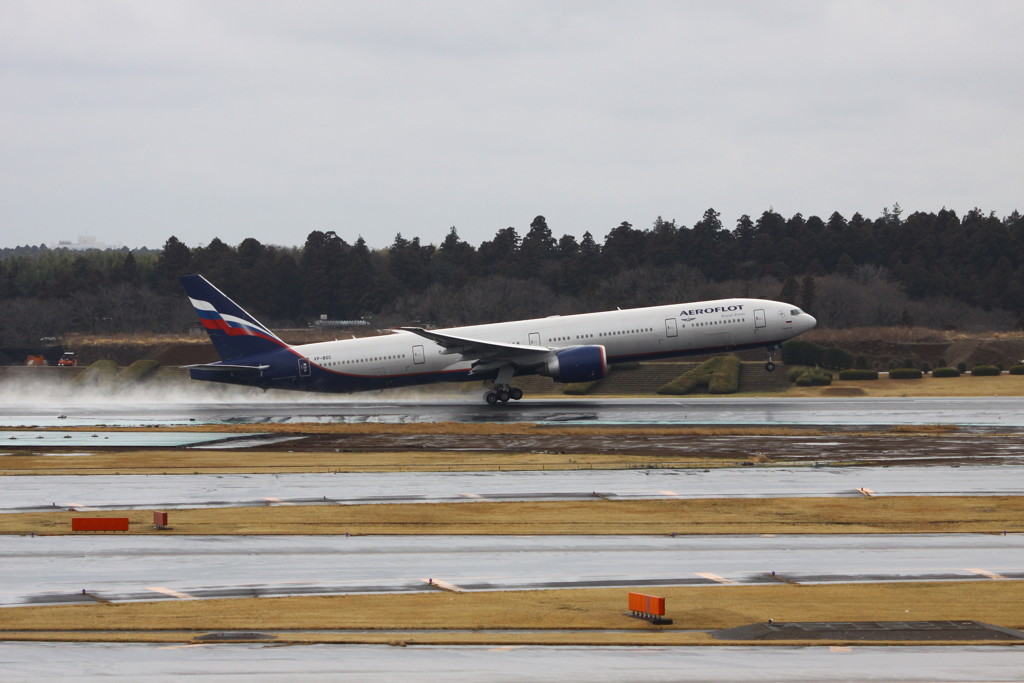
<point>579,364</point>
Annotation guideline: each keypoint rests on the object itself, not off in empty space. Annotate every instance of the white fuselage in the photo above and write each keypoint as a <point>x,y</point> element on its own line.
<point>627,335</point>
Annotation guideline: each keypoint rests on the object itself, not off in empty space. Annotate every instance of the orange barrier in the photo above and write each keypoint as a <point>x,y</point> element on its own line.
<point>647,604</point>
<point>99,524</point>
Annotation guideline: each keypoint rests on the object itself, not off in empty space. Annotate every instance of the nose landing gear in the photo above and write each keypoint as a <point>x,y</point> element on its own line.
<point>770,365</point>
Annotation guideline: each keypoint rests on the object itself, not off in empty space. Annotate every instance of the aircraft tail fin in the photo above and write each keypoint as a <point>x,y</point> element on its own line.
<point>234,332</point>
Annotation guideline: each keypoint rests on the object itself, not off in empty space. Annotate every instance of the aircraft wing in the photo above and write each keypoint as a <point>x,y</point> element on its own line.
<point>477,349</point>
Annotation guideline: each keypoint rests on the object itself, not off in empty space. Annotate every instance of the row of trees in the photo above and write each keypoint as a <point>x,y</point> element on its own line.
<point>934,269</point>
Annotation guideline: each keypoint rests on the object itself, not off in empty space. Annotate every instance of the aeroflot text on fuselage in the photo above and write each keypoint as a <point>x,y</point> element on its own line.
<point>716,309</point>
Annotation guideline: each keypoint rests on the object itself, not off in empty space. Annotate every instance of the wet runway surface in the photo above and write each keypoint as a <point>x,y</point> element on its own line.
<point>55,569</point>
<point>48,570</point>
<point>982,413</point>
<point>103,492</point>
<point>150,662</point>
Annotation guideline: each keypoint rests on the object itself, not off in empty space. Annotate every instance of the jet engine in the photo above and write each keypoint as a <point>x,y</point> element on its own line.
<point>579,364</point>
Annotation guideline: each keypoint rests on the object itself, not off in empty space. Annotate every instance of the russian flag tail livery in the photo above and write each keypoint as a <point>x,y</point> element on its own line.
<point>234,332</point>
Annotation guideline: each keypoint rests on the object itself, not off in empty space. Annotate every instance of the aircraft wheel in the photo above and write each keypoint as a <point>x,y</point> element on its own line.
<point>769,366</point>
<point>491,397</point>
<point>503,396</point>
<point>515,393</point>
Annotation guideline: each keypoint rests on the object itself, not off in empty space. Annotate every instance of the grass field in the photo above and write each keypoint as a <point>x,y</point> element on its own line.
<point>579,616</point>
<point>860,515</point>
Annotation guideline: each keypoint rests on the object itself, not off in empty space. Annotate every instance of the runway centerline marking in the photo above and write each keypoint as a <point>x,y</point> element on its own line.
<point>714,577</point>
<point>170,591</point>
<point>985,572</point>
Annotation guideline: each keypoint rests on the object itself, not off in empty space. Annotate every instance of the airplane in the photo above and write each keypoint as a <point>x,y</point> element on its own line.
<point>570,348</point>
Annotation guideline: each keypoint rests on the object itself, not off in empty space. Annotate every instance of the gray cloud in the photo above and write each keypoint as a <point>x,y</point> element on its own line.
<point>135,121</point>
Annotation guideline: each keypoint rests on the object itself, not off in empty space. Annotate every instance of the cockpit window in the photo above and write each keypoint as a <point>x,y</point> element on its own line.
<point>795,311</point>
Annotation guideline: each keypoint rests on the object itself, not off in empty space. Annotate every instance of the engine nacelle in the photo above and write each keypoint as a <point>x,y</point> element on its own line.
<point>580,364</point>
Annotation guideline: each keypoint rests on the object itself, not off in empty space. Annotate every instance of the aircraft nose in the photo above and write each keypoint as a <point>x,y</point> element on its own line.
<point>812,322</point>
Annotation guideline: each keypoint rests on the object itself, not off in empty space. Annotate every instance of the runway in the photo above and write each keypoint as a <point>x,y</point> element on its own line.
<point>157,663</point>
<point>55,569</point>
<point>984,414</point>
<point>119,492</point>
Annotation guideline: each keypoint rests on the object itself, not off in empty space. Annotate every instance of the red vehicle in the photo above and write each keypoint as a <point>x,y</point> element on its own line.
<point>68,358</point>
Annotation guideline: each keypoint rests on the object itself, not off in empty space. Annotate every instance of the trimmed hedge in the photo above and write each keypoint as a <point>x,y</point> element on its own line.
<point>580,388</point>
<point>102,372</point>
<point>1017,370</point>
<point>137,371</point>
<point>813,377</point>
<point>905,373</point>
<point>985,371</point>
<point>721,375</point>
<point>945,372</point>
<point>858,374</point>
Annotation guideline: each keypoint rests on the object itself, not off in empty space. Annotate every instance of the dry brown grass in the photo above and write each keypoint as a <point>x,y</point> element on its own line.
<point>965,385</point>
<point>924,429</point>
<point>903,334</point>
<point>595,614</point>
<point>897,514</point>
<point>249,462</point>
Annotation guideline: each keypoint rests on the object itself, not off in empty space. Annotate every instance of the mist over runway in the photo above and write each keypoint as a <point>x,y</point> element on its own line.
<point>44,404</point>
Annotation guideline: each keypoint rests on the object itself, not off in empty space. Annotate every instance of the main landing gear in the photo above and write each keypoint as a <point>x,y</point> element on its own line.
<point>503,394</point>
<point>770,365</point>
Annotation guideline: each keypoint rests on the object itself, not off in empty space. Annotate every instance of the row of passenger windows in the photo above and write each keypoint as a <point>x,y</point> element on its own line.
<point>720,322</point>
<point>603,334</point>
<point>356,361</point>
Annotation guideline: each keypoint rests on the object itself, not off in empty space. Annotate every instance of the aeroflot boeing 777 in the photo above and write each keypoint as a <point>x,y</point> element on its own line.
<point>571,348</point>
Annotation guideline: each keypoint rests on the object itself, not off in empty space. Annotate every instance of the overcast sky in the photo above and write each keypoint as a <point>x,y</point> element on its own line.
<point>134,121</point>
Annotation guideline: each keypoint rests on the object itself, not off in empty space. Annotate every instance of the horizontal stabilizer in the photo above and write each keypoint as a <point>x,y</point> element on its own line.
<point>226,368</point>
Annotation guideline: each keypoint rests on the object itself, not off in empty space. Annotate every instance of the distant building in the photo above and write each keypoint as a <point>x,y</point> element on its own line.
<point>84,243</point>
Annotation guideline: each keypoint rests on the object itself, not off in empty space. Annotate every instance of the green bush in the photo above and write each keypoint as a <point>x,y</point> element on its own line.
<point>836,358</point>
<point>580,388</point>
<point>101,372</point>
<point>945,372</point>
<point>799,352</point>
<point>814,377</point>
<point>861,363</point>
<point>858,374</point>
<point>137,371</point>
<point>905,373</point>
<point>1017,369</point>
<point>985,371</point>
<point>721,375</point>
<point>962,367</point>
